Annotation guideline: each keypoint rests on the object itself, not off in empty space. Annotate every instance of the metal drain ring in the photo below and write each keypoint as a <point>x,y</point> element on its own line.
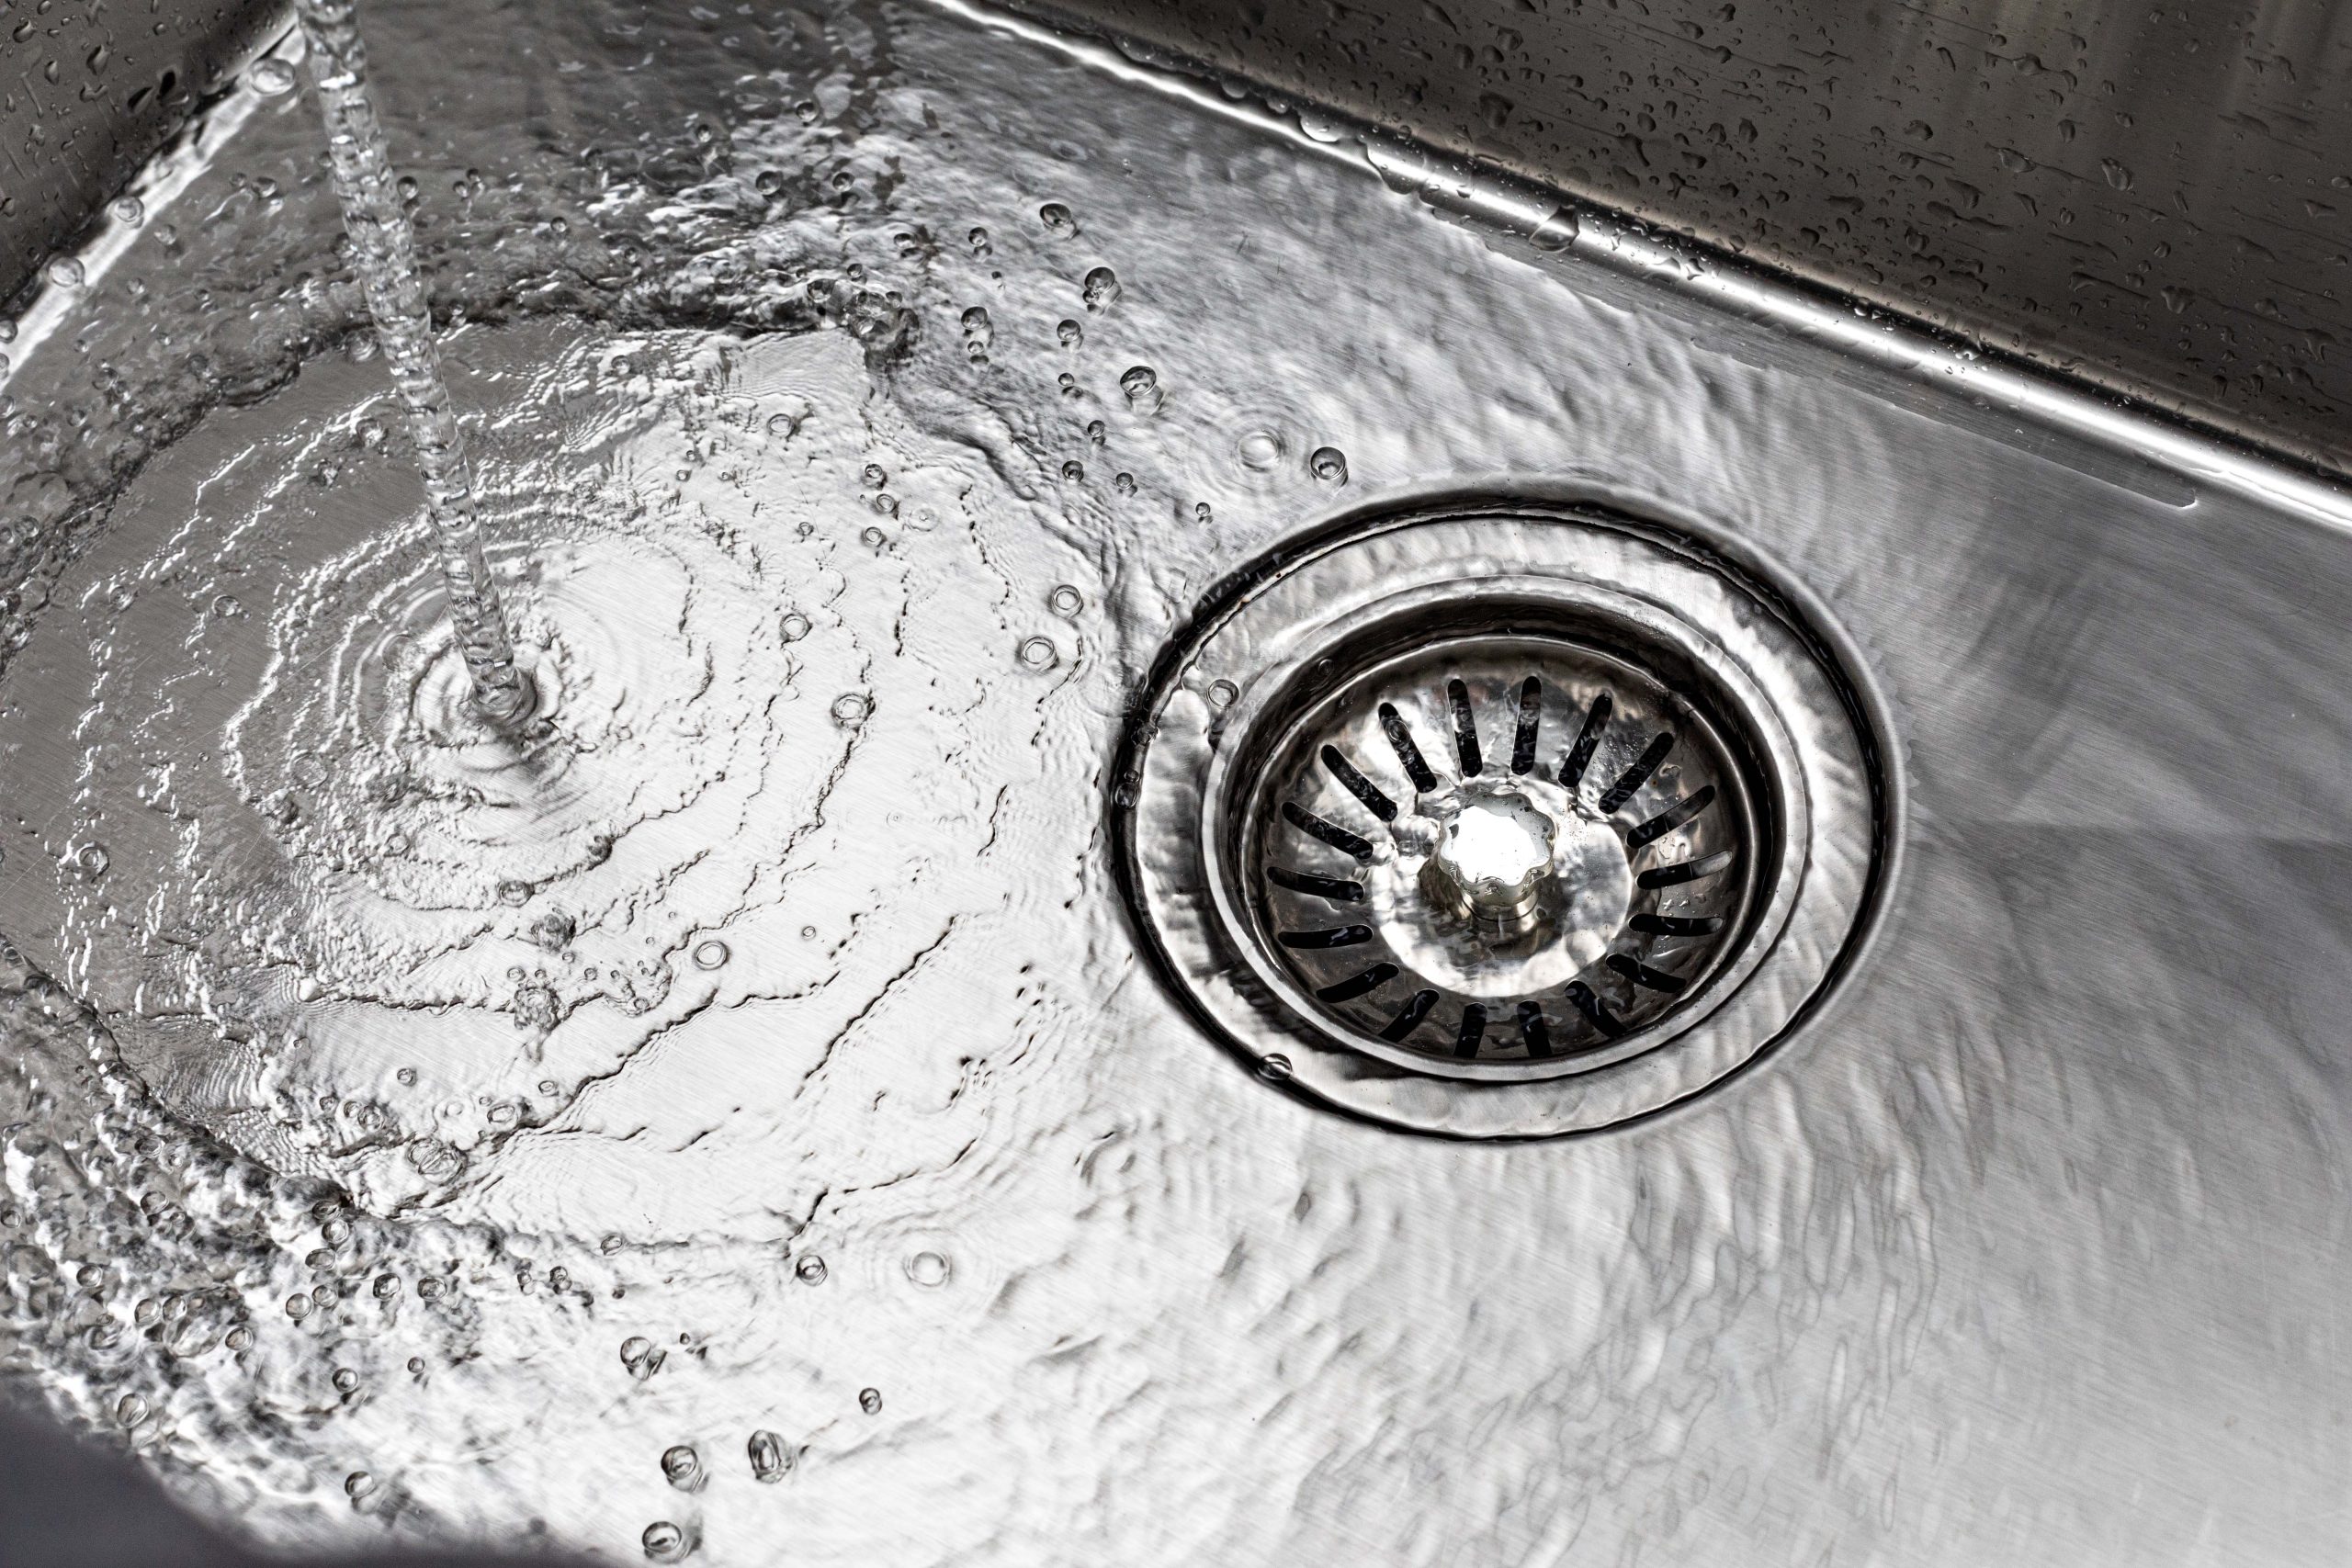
<point>1683,793</point>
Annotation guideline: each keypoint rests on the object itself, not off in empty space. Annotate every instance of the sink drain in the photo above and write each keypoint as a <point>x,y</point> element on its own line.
<point>1501,821</point>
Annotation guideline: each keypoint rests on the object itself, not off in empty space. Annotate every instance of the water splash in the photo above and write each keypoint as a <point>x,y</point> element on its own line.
<point>383,245</point>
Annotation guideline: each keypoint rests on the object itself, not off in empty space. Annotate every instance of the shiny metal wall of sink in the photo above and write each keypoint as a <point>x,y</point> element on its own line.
<point>2026,1245</point>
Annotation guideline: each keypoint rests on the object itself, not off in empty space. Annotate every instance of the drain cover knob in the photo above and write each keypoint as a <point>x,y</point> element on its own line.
<point>1492,857</point>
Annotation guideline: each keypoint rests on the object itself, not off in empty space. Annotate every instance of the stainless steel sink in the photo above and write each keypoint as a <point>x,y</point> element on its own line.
<point>814,1146</point>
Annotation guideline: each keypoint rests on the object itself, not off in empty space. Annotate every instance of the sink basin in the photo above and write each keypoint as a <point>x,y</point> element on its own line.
<point>772,1133</point>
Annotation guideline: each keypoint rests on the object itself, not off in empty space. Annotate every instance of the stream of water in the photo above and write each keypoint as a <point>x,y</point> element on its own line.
<point>383,254</point>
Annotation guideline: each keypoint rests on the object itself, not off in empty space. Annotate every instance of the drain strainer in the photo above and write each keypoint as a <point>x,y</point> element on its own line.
<point>1504,820</point>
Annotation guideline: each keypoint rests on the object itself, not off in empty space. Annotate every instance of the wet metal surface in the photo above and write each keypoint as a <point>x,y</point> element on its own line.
<point>763,1064</point>
<point>2152,197</point>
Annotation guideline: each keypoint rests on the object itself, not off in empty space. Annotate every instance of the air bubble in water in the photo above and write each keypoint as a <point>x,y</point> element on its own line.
<point>1097,433</point>
<point>887,505</point>
<point>793,626</point>
<point>271,78</point>
<point>1223,694</point>
<point>682,1467</point>
<point>978,240</point>
<point>1058,219</point>
<point>1275,1068</point>
<point>358,1484</point>
<point>1202,512</point>
<point>978,333</point>
<point>874,476</point>
<point>665,1543</point>
<point>929,1269</point>
<point>870,1401</point>
<point>770,1459</point>
<point>1330,465</point>
<point>1039,653</point>
<point>128,209</point>
<point>709,954</point>
<point>1070,333</point>
<point>1261,451</point>
<point>810,1269</point>
<point>1066,600</point>
<point>852,709</point>
<point>1141,384</point>
<point>874,538</point>
<point>228,607</point>
<point>91,860</point>
<point>1124,483</point>
<point>130,1410</point>
<point>63,271</point>
<point>1099,289</point>
<point>639,1357</point>
<point>1073,470</point>
<point>1068,383</point>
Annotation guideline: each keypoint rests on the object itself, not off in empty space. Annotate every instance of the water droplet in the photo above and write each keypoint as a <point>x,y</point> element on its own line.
<point>870,1401</point>
<point>793,626</point>
<point>298,1306</point>
<point>513,892</point>
<point>1073,470</point>
<point>1058,219</point>
<point>806,111</point>
<point>639,1357</point>
<point>1202,512</point>
<point>978,240</point>
<point>1275,1068</point>
<point>128,209</point>
<point>852,709</point>
<point>271,78</point>
<point>709,954</point>
<point>665,1543</point>
<point>682,1467</point>
<point>344,1380</point>
<point>1261,451</point>
<point>2116,174</point>
<point>1069,384</point>
<point>406,1076</point>
<point>64,272</point>
<point>1141,384</point>
<point>874,538</point>
<point>1066,602</point>
<point>887,505</point>
<point>1556,232</point>
<point>809,1268</point>
<point>874,477</point>
<point>130,1410</point>
<point>435,1159</point>
<point>386,1287</point>
<point>1097,433</point>
<point>771,1461</point>
<point>92,859</point>
<point>929,1269</point>
<point>1124,483</point>
<point>228,607</point>
<point>1330,465</point>
<point>358,1484</point>
<point>1223,694</point>
<point>1101,289</point>
<point>1070,333</point>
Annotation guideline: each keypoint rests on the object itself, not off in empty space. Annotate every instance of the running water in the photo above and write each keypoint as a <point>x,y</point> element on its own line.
<point>383,245</point>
